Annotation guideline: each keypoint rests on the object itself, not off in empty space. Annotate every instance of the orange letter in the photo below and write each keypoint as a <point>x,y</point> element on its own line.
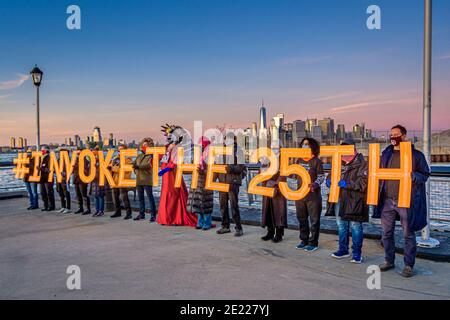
<point>403,174</point>
<point>64,160</point>
<point>217,168</point>
<point>83,154</point>
<point>55,168</point>
<point>103,168</point>
<point>287,170</point>
<point>336,152</point>
<point>126,167</point>
<point>35,176</point>
<point>187,167</point>
<point>155,151</point>
<point>253,187</point>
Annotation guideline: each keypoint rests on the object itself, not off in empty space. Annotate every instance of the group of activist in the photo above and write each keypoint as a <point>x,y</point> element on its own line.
<point>179,206</point>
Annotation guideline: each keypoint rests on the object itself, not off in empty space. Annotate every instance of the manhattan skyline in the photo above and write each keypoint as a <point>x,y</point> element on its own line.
<point>134,66</point>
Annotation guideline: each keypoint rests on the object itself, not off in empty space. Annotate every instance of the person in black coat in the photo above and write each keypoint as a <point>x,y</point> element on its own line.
<point>46,187</point>
<point>351,210</point>
<point>413,218</point>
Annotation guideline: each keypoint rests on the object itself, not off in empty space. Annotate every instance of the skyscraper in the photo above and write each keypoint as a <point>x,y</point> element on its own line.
<point>310,123</point>
<point>21,144</point>
<point>340,132</point>
<point>327,125</point>
<point>97,135</point>
<point>298,132</point>
<point>12,143</point>
<point>262,117</point>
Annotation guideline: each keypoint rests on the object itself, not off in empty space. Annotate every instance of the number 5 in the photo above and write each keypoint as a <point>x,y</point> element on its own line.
<point>287,170</point>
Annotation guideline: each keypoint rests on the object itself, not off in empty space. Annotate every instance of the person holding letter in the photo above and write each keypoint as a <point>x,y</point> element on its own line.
<point>351,210</point>
<point>46,187</point>
<point>413,218</point>
<point>119,192</point>
<point>310,208</point>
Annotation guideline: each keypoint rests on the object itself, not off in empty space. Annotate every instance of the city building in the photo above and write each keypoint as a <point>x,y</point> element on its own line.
<point>97,135</point>
<point>310,123</point>
<point>340,133</point>
<point>317,133</point>
<point>327,125</point>
<point>12,143</point>
<point>21,144</point>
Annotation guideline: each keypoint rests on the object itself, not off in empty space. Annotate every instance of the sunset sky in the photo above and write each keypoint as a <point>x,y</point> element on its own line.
<point>137,64</point>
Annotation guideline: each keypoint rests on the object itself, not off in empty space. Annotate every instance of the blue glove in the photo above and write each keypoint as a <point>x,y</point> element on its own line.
<point>328,183</point>
<point>342,184</point>
<point>161,172</point>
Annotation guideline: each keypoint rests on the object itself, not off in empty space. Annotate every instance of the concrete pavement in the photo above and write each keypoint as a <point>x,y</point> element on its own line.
<point>138,260</point>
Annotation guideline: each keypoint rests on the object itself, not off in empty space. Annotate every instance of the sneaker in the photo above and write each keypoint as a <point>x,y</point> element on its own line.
<point>152,218</point>
<point>301,246</point>
<point>310,248</point>
<point>44,209</point>
<point>206,228</point>
<point>86,212</point>
<point>61,210</point>
<point>356,258</point>
<point>30,208</point>
<point>95,214</point>
<point>128,217</point>
<point>116,215</point>
<point>223,230</point>
<point>340,254</point>
<point>386,266</point>
<point>79,211</point>
<point>100,214</point>
<point>139,218</point>
<point>407,272</point>
<point>238,233</point>
<point>34,208</point>
<point>67,211</point>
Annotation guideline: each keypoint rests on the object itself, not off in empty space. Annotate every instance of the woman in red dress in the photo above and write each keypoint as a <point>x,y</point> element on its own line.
<point>173,201</point>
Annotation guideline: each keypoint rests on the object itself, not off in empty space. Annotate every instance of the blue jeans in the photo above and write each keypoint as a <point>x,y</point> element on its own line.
<point>357,234</point>
<point>32,193</point>
<point>100,203</point>
<point>204,221</point>
<point>149,191</point>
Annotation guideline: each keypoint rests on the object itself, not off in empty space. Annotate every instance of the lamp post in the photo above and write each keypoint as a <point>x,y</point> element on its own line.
<point>425,240</point>
<point>36,76</point>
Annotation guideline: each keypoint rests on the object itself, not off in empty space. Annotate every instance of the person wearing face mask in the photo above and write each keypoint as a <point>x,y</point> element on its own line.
<point>46,187</point>
<point>274,209</point>
<point>351,210</point>
<point>144,180</point>
<point>310,208</point>
<point>413,218</point>
<point>31,186</point>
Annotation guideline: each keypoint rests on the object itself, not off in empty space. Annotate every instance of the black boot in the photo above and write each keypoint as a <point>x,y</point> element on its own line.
<point>279,232</point>
<point>269,235</point>
<point>116,214</point>
<point>80,210</point>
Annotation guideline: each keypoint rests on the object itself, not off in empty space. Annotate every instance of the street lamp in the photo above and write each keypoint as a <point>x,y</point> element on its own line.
<point>36,76</point>
<point>425,240</point>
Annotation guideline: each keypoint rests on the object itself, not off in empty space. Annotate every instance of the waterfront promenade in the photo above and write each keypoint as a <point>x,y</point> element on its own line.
<point>138,260</point>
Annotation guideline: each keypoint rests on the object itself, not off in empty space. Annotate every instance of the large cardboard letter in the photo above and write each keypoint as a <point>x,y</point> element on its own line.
<point>124,168</point>
<point>217,168</point>
<point>336,152</point>
<point>253,187</point>
<point>189,167</point>
<point>83,154</point>
<point>103,168</point>
<point>403,174</point>
<point>35,175</point>
<point>55,168</point>
<point>156,152</point>
<point>287,170</point>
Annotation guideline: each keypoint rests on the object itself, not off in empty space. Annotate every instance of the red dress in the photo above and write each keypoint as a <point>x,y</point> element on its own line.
<point>173,201</point>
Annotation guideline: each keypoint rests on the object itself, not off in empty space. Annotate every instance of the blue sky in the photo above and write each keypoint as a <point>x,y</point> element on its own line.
<point>137,64</point>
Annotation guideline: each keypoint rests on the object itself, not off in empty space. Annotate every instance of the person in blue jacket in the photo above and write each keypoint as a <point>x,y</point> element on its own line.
<point>413,218</point>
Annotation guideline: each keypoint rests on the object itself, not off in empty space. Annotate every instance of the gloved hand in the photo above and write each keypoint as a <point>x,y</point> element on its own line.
<point>161,172</point>
<point>342,184</point>
<point>328,183</point>
<point>135,166</point>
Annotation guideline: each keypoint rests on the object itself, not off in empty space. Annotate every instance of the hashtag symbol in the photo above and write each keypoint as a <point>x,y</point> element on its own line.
<point>21,163</point>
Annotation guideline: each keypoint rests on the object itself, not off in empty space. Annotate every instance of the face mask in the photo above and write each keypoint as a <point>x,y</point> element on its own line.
<point>348,159</point>
<point>144,149</point>
<point>44,152</point>
<point>305,146</point>
<point>396,141</point>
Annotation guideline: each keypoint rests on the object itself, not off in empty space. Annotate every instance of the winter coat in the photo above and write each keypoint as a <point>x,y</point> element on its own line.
<point>314,167</point>
<point>417,212</point>
<point>143,170</point>
<point>30,166</point>
<point>352,199</point>
<point>44,168</point>
<point>276,206</point>
<point>235,172</point>
<point>200,200</point>
<point>76,176</point>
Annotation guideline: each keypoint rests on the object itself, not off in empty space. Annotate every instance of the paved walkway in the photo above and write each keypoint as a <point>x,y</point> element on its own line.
<point>138,260</point>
